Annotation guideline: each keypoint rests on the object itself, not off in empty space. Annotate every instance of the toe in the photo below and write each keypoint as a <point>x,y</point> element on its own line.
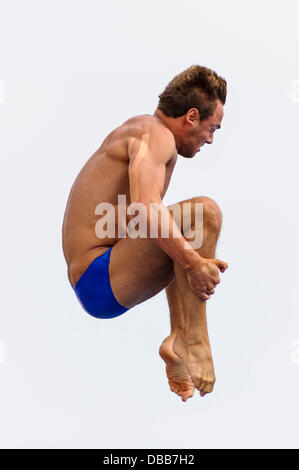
<point>206,388</point>
<point>186,395</point>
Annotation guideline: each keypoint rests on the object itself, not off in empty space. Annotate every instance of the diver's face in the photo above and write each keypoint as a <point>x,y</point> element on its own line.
<point>199,132</point>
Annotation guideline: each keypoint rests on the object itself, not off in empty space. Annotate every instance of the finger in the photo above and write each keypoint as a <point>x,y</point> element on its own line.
<point>223,268</point>
<point>222,265</point>
<point>204,296</point>
<point>210,291</point>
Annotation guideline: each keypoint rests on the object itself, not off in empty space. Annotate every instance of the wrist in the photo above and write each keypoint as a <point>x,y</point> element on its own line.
<point>193,262</point>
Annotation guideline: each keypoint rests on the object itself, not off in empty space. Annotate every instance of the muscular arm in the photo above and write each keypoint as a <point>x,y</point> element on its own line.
<point>149,156</point>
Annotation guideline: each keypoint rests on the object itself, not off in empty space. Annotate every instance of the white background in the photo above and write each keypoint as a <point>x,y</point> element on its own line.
<point>70,72</point>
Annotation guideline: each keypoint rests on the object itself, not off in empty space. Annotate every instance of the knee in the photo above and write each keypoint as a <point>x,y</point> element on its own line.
<point>212,215</point>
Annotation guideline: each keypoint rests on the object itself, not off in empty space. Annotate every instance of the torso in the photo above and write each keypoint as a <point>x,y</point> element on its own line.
<point>102,179</point>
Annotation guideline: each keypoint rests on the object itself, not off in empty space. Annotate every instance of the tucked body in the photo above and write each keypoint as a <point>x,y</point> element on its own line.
<point>112,274</point>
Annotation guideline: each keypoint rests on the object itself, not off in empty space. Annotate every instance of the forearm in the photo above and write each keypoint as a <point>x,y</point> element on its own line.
<point>176,248</point>
<point>165,232</point>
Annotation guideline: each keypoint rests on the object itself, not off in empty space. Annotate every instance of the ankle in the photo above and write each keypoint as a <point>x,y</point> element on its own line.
<point>177,330</point>
<point>193,339</point>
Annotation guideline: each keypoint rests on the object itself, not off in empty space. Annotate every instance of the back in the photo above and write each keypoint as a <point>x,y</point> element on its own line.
<point>102,179</point>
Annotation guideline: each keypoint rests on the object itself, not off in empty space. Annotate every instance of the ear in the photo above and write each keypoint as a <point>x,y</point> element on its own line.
<point>192,115</point>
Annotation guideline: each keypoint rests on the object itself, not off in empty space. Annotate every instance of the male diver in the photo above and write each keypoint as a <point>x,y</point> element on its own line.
<point>111,274</point>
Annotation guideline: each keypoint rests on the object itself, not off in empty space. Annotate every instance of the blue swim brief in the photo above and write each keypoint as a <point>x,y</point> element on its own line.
<point>93,290</point>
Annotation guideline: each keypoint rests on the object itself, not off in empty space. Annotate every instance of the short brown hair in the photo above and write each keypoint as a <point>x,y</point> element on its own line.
<point>196,87</point>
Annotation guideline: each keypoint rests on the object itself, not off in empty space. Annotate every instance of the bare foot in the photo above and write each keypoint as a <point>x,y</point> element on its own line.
<point>197,357</point>
<point>178,378</point>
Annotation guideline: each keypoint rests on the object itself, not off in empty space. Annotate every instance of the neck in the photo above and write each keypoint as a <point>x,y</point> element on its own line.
<point>164,119</point>
<point>170,123</point>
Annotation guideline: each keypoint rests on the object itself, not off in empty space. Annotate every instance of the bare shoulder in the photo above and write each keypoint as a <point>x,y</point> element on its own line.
<point>148,130</point>
<point>148,124</point>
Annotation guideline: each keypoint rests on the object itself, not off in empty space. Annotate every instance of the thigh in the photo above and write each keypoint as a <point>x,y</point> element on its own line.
<point>139,269</point>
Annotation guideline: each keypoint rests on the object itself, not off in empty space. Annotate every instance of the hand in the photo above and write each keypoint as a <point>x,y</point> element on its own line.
<point>204,276</point>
